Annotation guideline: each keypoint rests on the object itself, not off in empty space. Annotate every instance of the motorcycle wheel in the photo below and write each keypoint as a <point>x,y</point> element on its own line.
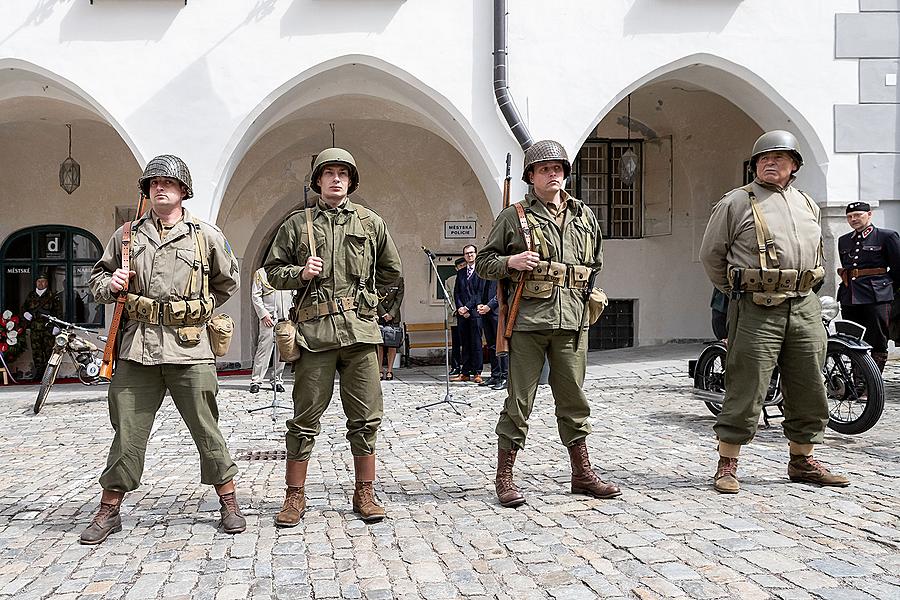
<point>709,374</point>
<point>46,383</point>
<point>855,390</point>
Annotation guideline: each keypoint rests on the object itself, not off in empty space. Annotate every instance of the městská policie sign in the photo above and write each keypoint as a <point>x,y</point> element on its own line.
<point>455,230</point>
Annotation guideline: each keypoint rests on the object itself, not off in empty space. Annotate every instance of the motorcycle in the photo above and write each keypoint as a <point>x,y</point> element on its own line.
<point>85,356</point>
<point>853,382</point>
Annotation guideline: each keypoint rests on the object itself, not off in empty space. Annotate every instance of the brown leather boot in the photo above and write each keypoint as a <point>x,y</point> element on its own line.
<point>584,480</point>
<point>806,469</point>
<point>365,504</point>
<point>725,480</point>
<point>294,496</point>
<point>106,521</point>
<point>233,520</point>
<point>507,492</point>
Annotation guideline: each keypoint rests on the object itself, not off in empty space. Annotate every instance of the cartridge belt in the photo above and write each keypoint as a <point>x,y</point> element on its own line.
<point>776,280</point>
<point>560,274</point>
<point>175,313</point>
<point>323,309</point>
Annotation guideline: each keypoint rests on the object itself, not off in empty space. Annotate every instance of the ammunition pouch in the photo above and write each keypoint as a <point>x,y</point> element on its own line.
<point>176,313</point>
<point>771,287</point>
<point>331,307</point>
<point>540,281</point>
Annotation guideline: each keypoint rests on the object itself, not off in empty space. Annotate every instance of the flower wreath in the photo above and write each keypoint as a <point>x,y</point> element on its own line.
<point>12,335</point>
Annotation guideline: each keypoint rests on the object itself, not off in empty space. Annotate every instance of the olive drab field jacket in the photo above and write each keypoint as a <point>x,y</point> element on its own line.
<point>730,239</point>
<point>578,242</point>
<point>358,255</point>
<point>163,271</point>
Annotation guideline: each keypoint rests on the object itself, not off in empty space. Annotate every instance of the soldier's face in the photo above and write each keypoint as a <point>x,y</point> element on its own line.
<point>166,193</point>
<point>859,219</point>
<point>775,167</point>
<point>334,183</point>
<point>548,178</point>
<point>41,284</point>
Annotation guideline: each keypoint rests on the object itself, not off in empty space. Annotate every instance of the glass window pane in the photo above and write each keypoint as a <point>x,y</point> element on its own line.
<point>51,244</point>
<point>85,310</point>
<point>20,247</point>
<point>17,283</point>
<point>85,248</point>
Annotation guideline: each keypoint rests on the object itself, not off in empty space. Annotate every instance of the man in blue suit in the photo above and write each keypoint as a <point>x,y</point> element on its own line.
<point>467,294</point>
<point>488,311</point>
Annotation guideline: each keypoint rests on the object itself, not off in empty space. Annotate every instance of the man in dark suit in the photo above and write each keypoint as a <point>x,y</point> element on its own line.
<point>488,311</point>
<point>870,261</point>
<point>467,294</point>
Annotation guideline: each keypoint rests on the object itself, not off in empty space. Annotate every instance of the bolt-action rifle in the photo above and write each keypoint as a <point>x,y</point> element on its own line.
<point>502,341</point>
<point>112,346</point>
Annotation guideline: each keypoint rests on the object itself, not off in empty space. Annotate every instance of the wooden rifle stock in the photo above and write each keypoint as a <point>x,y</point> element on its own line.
<point>502,340</point>
<point>111,349</point>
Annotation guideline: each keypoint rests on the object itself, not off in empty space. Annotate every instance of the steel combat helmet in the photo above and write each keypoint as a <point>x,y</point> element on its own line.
<point>166,165</point>
<point>334,155</point>
<point>545,151</point>
<point>773,141</point>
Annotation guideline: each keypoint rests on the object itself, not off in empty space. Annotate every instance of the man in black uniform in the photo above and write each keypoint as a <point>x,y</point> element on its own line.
<point>870,261</point>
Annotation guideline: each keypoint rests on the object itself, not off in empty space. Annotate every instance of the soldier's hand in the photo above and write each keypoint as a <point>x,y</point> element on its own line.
<point>119,279</point>
<point>524,261</point>
<point>312,269</point>
<point>267,321</point>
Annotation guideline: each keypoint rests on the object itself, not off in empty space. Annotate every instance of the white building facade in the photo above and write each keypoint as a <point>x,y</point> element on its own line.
<point>247,92</point>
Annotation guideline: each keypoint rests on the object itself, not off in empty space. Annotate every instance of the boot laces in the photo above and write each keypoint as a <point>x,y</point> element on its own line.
<point>106,510</point>
<point>727,467</point>
<point>812,464</point>
<point>293,498</point>
<point>229,501</point>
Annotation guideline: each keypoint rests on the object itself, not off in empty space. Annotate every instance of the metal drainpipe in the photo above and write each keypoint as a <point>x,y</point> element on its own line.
<point>501,87</point>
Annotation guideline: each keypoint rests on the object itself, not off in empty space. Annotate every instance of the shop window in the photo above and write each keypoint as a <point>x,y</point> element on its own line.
<point>615,327</point>
<point>66,255</point>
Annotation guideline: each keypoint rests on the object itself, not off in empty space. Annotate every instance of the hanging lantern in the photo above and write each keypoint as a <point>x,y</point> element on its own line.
<point>69,170</point>
<point>628,162</point>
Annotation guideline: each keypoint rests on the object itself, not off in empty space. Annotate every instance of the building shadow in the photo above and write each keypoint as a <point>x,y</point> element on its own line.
<point>676,16</point>
<point>311,17</point>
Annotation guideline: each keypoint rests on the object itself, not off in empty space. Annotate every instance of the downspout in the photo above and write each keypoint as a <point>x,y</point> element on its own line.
<point>501,84</point>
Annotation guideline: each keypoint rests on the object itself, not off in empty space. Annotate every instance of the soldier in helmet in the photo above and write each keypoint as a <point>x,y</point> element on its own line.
<point>566,253</point>
<point>335,254</point>
<point>41,301</point>
<point>763,245</point>
<point>870,272</point>
<point>180,269</point>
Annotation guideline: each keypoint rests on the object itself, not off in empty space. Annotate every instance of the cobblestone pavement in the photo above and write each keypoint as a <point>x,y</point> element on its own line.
<point>668,536</point>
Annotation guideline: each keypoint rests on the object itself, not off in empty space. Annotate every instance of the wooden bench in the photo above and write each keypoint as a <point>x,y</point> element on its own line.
<point>421,328</point>
<point>5,379</point>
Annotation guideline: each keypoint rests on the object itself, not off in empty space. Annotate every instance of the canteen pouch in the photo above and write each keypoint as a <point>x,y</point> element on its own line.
<point>596,304</point>
<point>286,340</point>
<point>220,329</point>
<point>392,335</point>
<point>188,336</point>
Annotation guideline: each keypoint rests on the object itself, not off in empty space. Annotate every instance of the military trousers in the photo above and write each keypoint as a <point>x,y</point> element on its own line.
<point>265,343</point>
<point>136,393</point>
<point>876,318</point>
<point>360,392</point>
<point>567,355</point>
<point>791,336</point>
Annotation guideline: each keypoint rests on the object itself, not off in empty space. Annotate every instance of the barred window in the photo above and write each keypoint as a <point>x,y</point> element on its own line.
<point>595,180</point>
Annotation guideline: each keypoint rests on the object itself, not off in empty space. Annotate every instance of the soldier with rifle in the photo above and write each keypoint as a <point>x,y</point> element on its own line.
<point>177,269</point>
<point>549,244</point>
<point>335,254</point>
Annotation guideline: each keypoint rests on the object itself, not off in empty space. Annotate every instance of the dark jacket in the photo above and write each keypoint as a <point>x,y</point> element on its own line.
<point>468,291</point>
<point>489,296</point>
<point>873,249</point>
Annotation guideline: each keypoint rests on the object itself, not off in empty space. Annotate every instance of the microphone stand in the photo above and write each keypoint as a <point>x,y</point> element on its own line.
<point>448,397</point>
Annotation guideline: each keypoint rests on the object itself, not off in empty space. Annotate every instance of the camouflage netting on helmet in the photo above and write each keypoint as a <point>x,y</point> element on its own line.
<point>544,151</point>
<point>166,165</point>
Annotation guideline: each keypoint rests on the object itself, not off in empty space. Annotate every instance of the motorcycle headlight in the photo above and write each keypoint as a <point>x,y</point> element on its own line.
<point>830,308</point>
<point>61,340</point>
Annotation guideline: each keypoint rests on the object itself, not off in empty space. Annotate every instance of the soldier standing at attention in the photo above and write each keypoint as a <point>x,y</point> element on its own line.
<point>870,272</point>
<point>551,316</point>
<point>763,245</point>
<point>271,306</point>
<point>335,254</point>
<point>181,268</point>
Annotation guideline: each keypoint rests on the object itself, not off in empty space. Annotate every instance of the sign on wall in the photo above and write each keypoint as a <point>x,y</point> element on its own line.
<point>455,230</point>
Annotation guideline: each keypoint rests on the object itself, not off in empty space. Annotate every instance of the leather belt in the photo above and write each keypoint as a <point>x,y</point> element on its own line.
<point>848,274</point>
<point>323,309</point>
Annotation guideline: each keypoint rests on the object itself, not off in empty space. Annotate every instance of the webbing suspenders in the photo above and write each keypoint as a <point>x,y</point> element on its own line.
<point>765,243</point>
